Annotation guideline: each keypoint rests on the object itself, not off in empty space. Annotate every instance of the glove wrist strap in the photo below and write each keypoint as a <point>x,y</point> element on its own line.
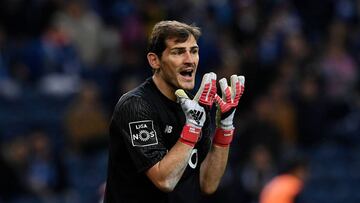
<point>190,135</point>
<point>223,137</point>
<point>226,127</point>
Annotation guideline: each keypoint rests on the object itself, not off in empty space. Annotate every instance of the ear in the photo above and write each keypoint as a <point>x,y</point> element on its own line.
<point>153,60</point>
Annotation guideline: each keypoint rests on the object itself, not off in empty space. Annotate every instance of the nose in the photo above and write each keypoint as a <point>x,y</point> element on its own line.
<point>189,58</point>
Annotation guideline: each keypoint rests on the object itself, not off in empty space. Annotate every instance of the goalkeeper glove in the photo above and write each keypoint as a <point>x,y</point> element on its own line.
<point>226,107</point>
<point>194,109</point>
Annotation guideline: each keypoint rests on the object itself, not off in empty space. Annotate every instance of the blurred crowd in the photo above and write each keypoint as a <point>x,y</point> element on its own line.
<point>65,63</point>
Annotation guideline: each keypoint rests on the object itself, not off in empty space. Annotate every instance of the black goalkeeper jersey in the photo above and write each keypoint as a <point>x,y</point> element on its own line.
<point>144,127</point>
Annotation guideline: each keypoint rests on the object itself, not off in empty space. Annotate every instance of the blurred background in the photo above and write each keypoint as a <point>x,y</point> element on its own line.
<point>65,63</point>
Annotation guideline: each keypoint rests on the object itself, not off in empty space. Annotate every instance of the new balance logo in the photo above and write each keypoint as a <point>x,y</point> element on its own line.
<point>168,129</point>
<point>197,115</point>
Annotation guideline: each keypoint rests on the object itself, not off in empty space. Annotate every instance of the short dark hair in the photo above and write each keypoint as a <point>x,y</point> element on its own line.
<point>164,30</point>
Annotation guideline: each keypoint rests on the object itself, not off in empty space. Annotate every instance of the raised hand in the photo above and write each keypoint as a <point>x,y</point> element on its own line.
<point>194,112</point>
<point>226,107</point>
<point>194,109</point>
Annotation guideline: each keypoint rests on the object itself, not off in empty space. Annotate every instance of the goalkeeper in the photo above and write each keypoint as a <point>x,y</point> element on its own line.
<point>161,148</point>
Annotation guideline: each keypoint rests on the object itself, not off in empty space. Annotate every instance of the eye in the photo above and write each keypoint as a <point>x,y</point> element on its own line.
<point>194,50</point>
<point>177,52</point>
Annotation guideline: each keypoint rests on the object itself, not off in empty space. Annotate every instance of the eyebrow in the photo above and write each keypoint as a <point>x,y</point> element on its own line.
<point>181,48</point>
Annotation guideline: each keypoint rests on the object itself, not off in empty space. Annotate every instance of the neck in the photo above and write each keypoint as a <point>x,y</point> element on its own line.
<point>164,88</point>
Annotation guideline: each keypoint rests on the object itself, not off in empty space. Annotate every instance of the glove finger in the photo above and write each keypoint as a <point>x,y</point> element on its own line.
<point>181,93</point>
<point>223,85</point>
<point>183,100</point>
<point>226,93</point>
<point>242,85</point>
<point>242,80</point>
<point>212,76</point>
<point>239,89</point>
<point>181,96</point>
<point>213,86</point>
<point>205,94</point>
<point>212,92</point>
<point>205,80</point>
<point>234,80</point>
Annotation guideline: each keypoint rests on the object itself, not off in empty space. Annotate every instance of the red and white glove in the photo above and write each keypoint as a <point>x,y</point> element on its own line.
<point>194,109</point>
<point>226,107</point>
<point>206,93</point>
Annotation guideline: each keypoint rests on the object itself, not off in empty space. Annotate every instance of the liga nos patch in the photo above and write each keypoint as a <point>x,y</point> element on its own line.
<point>143,133</point>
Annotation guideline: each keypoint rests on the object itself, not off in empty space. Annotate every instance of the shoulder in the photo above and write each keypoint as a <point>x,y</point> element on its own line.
<point>132,102</point>
<point>136,103</point>
<point>134,97</point>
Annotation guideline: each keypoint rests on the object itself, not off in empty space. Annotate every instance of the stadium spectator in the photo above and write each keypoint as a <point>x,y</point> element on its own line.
<point>46,171</point>
<point>86,121</point>
<point>286,187</point>
<point>84,28</point>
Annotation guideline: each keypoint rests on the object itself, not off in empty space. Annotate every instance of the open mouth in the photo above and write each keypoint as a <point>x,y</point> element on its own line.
<point>187,73</point>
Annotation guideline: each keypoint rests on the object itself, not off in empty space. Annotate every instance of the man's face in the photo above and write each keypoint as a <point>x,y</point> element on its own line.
<point>179,62</point>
